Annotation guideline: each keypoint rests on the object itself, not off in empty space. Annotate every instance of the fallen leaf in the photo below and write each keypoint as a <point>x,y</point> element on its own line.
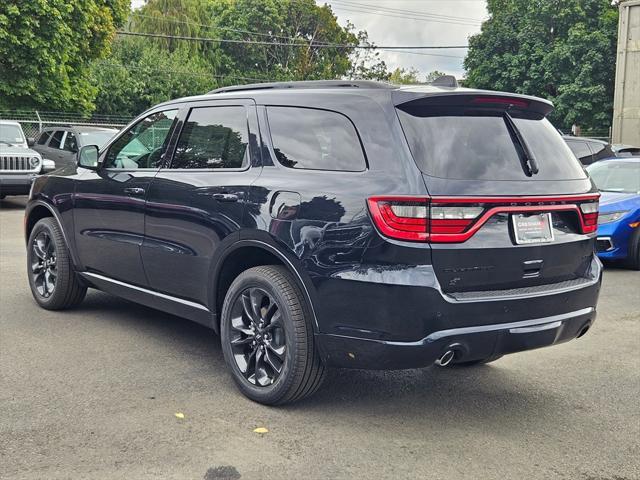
<point>261,430</point>
<point>179,415</point>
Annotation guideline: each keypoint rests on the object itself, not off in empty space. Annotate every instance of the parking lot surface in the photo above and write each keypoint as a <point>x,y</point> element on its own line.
<point>93,393</point>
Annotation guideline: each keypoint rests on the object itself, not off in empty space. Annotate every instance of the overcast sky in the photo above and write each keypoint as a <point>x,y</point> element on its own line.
<point>416,22</point>
<point>410,23</point>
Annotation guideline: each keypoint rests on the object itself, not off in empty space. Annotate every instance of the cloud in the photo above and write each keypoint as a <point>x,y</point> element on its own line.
<point>407,22</point>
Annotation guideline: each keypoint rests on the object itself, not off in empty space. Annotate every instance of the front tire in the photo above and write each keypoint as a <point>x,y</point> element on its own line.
<point>53,281</point>
<point>267,337</point>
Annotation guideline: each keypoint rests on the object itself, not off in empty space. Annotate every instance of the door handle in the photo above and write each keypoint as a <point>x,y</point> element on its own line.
<point>225,197</point>
<point>134,191</point>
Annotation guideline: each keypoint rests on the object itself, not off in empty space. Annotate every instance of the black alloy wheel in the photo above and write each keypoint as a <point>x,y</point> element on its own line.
<point>258,339</point>
<point>43,264</point>
<point>266,327</point>
<point>52,278</point>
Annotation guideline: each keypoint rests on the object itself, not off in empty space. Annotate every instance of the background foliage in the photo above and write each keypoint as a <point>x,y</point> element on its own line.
<point>563,50</point>
<point>64,55</point>
<point>46,47</point>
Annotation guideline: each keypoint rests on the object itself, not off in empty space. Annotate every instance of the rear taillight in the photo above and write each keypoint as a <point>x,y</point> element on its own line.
<point>589,212</point>
<point>456,219</point>
<point>417,219</point>
<point>402,218</point>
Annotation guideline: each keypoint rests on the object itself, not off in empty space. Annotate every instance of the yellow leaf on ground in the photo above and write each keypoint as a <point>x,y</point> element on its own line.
<point>261,430</point>
<point>179,415</point>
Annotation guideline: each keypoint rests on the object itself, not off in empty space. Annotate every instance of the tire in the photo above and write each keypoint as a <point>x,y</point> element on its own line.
<point>256,341</point>
<point>57,288</point>
<point>482,361</point>
<point>633,260</point>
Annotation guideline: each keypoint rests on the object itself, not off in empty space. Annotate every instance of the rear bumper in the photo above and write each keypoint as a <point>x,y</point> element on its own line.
<point>416,325</point>
<point>468,343</point>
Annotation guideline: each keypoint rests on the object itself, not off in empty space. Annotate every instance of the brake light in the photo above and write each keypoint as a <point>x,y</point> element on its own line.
<point>456,219</point>
<point>516,102</point>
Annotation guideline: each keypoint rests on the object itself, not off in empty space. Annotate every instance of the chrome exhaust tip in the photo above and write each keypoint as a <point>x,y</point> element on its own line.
<point>446,358</point>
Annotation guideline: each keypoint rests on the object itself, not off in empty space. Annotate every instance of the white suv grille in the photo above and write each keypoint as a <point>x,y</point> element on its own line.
<point>17,163</point>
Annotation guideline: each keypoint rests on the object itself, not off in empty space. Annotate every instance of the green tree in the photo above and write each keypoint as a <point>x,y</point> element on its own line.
<point>140,74</point>
<point>433,75</point>
<point>365,62</point>
<point>46,48</point>
<point>563,50</point>
<point>294,28</point>
<point>402,76</point>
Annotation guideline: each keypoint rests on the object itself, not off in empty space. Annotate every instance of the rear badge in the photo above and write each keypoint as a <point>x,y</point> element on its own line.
<point>534,228</point>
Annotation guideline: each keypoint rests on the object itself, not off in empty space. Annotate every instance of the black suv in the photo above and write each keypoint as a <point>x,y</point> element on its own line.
<point>315,224</point>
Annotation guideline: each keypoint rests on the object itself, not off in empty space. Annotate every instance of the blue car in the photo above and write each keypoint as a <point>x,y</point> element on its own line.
<point>619,220</point>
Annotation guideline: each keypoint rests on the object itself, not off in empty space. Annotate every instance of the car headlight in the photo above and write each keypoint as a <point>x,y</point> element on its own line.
<point>611,216</point>
<point>34,162</point>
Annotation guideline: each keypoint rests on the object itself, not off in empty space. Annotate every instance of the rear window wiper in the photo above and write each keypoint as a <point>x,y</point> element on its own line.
<point>529,164</point>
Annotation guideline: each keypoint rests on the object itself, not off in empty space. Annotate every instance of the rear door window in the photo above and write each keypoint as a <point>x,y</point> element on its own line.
<point>313,139</point>
<point>213,138</point>
<point>468,144</point>
<point>56,139</point>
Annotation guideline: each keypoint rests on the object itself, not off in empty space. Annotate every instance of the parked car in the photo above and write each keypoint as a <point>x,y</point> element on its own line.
<point>619,222</point>
<point>331,223</point>
<point>19,165</point>
<point>621,150</point>
<point>589,150</point>
<point>61,144</point>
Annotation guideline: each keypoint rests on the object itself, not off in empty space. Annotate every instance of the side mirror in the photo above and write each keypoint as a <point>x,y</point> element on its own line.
<point>31,141</point>
<point>88,157</point>
<point>48,166</point>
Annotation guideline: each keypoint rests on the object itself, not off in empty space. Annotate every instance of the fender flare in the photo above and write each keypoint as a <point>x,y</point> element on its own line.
<point>55,214</point>
<point>289,263</point>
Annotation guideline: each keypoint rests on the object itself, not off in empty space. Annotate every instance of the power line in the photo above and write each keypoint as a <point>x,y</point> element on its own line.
<point>213,27</point>
<point>306,45</point>
<point>395,13</point>
<point>411,13</point>
<point>421,53</point>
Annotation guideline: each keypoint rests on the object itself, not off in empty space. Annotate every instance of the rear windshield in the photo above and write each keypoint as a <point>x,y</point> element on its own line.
<point>465,144</point>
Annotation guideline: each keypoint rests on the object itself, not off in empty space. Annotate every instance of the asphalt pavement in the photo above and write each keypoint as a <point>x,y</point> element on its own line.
<point>93,393</point>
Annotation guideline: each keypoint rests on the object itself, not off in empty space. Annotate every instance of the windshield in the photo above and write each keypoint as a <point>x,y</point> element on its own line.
<point>623,177</point>
<point>98,138</point>
<point>466,144</point>
<point>11,134</point>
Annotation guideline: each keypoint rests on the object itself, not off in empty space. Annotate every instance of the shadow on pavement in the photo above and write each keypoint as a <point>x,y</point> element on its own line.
<point>13,203</point>
<point>443,394</point>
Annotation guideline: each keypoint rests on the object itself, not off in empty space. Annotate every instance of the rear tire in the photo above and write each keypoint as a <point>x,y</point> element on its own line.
<point>53,281</point>
<point>634,251</point>
<point>267,337</point>
<point>482,361</point>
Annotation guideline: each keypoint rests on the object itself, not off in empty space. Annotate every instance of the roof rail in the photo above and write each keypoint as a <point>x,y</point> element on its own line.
<point>305,84</point>
<point>445,81</point>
